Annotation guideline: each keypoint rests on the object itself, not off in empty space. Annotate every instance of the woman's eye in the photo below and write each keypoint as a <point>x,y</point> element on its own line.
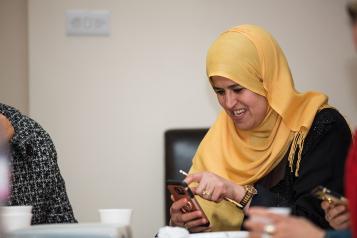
<point>219,92</point>
<point>237,90</point>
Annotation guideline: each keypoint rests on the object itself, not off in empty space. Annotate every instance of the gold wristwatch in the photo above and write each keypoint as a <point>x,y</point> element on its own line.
<point>250,191</point>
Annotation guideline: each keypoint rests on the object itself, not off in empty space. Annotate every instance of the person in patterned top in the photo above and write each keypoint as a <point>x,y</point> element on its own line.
<point>35,178</point>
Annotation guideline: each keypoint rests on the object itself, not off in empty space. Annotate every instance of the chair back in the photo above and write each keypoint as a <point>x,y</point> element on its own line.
<point>180,147</point>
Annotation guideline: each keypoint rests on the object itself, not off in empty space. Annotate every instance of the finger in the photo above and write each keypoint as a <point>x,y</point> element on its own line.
<point>206,191</point>
<point>201,229</point>
<point>340,220</point>
<point>342,226</point>
<point>217,195</point>
<point>209,191</point>
<point>196,177</point>
<point>190,216</point>
<point>336,211</point>
<point>172,198</point>
<point>200,188</point>
<point>176,220</point>
<point>195,223</point>
<point>183,218</point>
<point>172,222</point>
<point>193,189</point>
<point>325,205</point>
<point>178,205</point>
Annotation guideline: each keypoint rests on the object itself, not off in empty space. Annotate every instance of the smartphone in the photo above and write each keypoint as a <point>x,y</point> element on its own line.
<point>179,189</point>
<point>326,194</point>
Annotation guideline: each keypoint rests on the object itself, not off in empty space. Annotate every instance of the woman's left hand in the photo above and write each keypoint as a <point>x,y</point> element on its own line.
<point>215,188</point>
<point>338,216</point>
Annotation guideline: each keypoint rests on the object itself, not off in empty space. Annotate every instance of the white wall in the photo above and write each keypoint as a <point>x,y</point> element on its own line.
<point>107,101</point>
<point>13,54</point>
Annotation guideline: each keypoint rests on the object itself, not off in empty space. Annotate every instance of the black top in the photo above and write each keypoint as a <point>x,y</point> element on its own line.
<point>322,163</point>
<point>35,177</point>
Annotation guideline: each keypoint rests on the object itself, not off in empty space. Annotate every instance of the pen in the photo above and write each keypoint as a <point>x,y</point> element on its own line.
<point>227,199</point>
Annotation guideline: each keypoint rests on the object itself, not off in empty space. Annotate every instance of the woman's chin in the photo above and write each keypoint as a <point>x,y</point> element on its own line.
<point>243,126</point>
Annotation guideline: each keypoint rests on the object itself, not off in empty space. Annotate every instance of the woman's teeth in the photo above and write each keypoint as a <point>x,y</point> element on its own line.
<point>238,112</point>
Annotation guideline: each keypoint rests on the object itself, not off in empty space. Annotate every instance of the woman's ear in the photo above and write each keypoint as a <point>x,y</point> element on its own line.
<point>6,127</point>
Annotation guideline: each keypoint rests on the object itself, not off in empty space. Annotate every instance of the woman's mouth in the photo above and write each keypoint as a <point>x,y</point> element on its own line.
<point>239,112</point>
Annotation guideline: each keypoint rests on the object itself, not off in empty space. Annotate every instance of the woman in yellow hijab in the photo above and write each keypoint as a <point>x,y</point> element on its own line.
<point>270,146</point>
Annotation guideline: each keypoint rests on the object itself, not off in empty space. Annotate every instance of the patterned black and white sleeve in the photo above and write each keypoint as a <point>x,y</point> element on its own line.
<point>36,177</point>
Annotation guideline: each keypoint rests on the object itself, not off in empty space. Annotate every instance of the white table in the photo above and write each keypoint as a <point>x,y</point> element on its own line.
<point>84,230</point>
<point>227,234</point>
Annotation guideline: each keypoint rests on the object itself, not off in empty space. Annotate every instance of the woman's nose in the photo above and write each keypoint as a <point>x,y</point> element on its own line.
<point>230,100</point>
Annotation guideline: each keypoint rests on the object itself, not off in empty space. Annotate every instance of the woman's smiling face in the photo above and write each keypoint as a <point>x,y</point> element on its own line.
<point>246,108</point>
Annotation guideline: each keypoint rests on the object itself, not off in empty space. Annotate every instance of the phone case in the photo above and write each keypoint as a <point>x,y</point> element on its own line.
<point>323,193</point>
<point>179,189</point>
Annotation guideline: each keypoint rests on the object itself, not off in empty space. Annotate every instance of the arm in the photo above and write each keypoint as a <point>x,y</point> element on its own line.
<point>38,182</point>
<point>58,208</point>
<point>322,164</point>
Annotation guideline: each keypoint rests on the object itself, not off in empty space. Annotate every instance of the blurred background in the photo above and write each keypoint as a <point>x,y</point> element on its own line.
<point>107,100</point>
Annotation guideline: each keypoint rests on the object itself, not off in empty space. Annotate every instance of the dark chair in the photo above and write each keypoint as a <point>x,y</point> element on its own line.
<point>180,147</point>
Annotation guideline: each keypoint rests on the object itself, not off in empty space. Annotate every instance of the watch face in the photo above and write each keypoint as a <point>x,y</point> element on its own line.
<point>251,189</point>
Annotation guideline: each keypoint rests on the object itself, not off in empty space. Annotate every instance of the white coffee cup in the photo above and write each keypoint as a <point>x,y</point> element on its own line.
<point>16,209</point>
<point>116,216</point>
<point>284,211</point>
<point>15,217</point>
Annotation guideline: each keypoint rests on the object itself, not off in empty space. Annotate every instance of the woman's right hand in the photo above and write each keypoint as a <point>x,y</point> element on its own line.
<point>192,221</point>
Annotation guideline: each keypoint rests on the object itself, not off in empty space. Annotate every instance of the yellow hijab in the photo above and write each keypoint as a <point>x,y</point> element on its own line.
<point>251,57</point>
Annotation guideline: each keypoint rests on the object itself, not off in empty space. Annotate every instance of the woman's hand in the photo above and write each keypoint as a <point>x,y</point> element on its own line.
<point>280,226</point>
<point>215,188</point>
<point>192,221</point>
<point>337,216</point>
<point>6,127</point>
